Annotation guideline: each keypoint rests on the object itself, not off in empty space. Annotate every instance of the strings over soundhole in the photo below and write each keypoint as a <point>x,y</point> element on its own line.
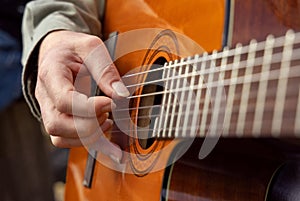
<point>150,104</point>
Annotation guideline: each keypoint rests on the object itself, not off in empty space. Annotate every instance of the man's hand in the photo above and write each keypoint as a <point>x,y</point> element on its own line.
<point>70,116</point>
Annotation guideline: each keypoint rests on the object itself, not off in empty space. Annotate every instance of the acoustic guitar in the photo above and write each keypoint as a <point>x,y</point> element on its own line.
<point>212,114</point>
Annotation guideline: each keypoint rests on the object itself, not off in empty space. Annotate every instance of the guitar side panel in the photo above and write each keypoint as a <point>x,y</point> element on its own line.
<point>254,19</point>
<point>236,170</point>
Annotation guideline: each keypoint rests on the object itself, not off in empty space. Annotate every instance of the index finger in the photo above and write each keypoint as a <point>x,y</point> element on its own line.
<point>104,72</point>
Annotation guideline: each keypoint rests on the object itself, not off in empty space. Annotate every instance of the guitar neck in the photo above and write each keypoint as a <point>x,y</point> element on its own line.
<point>248,91</point>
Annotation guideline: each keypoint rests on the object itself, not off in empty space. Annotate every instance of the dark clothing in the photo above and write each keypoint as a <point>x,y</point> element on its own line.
<point>24,163</point>
<point>25,170</point>
<point>10,70</point>
<point>11,13</point>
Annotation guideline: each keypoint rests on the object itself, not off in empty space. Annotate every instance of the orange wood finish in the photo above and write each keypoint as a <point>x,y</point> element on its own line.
<point>203,22</point>
<point>129,15</point>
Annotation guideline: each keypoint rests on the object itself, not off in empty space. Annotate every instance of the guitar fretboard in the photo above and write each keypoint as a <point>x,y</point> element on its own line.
<point>247,91</point>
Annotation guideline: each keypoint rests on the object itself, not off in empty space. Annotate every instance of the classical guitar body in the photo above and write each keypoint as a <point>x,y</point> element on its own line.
<point>162,132</point>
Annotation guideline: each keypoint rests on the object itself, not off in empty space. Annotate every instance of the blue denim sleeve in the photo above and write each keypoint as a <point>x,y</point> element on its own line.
<point>10,69</point>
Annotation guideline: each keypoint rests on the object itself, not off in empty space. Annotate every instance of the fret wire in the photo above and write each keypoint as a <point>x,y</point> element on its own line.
<point>207,98</point>
<point>174,104</point>
<point>231,90</point>
<point>168,95</point>
<point>183,98</point>
<point>260,46</point>
<point>258,61</point>
<point>214,129</point>
<point>169,99</point>
<point>196,118</point>
<point>223,67</point>
<point>178,119</point>
<point>297,117</point>
<point>282,84</point>
<point>163,102</point>
<point>262,88</point>
<point>246,87</point>
<point>155,129</point>
<point>189,99</point>
<point>203,67</point>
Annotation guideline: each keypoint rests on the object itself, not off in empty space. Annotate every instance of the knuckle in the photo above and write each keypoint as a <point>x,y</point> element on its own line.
<point>61,104</point>
<point>110,70</point>
<point>43,73</point>
<point>51,127</point>
<point>109,73</point>
<point>93,41</point>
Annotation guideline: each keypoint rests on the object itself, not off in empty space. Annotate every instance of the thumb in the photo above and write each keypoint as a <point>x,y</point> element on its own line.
<point>100,65</point>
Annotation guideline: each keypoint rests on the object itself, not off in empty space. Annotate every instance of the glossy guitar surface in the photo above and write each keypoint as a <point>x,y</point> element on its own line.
<point>247,160</point>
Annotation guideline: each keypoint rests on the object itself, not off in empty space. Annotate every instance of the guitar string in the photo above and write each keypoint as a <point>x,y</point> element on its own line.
<point>230,67</point>
<point>209,71</point>
<point>218,124</point>
<point>240,94</point>
<point>251,105</point>
<point>250,109</point>
<point>256,78</point>
<point>207,127</point>
<point>278,55</point>
<point>236,107</point>
<point>252,94</point>
<point>260,46</point>
<point>267,109</point>
<point>259,62</point>
<point>294,73</point>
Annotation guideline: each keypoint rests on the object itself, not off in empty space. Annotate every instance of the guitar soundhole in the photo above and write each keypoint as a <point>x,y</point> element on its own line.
<point>150,104</point>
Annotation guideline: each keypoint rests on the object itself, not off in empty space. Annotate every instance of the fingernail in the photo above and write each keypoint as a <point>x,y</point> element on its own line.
<point>120,89</point>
